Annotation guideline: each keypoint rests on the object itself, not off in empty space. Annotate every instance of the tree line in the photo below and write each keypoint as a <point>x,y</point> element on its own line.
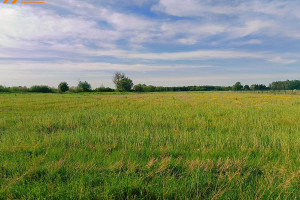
<point>277,85</point>
<point>125,84</point>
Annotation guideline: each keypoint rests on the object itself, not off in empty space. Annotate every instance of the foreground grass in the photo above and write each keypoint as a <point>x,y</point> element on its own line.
<point>149,146</point>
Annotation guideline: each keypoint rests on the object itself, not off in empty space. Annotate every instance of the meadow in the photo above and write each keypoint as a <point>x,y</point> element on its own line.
<point>185,145</point>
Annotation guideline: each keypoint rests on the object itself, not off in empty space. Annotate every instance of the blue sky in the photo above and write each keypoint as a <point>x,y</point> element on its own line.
<point>159,42</point>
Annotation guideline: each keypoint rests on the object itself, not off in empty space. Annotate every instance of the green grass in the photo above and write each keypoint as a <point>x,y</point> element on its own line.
<point>210,145</point>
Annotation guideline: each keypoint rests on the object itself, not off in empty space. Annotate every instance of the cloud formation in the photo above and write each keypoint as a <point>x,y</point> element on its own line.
<point>151,36</point>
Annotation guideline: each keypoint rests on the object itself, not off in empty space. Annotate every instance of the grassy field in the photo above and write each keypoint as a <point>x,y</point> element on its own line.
<point>220,145</point>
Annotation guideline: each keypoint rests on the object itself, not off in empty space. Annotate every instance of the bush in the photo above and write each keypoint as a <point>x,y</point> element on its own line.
<point>41,89</point>
<point>63,87</point>
<point>74,89</point>
<point>104,89</point>
<point>19,89</point>
<point>3,89</point>
<point>84,87</point>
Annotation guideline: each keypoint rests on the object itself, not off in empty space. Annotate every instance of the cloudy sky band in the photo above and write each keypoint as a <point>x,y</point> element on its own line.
<point>150,37</point>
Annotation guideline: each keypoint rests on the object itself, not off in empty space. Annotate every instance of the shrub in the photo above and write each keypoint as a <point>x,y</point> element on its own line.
<point>41,89</point>
<point>19,89</point>
<point>84,87</point>
<point>73,89</point>
<point>3,89</point>
<point>104,89</point>
<point>63,87</point>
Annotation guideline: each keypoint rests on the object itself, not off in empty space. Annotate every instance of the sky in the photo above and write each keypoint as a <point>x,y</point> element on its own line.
<point>158,42</point>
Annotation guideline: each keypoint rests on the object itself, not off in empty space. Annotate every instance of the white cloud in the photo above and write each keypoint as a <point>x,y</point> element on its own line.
<point>250,27</point>
<point>278,59</point>
<point>194,8</point>
<point>239,18</point>
<point>209,79</point>
<point>191,28</point>
<point>248,42</point>
<point>85,31</point>
<point>33,28</point>
<point>190,8</point>
<point>31,73</point>
<point>79,67</point>
<point>51,73</point>
<point>187,41</point>
<point>195,55</point>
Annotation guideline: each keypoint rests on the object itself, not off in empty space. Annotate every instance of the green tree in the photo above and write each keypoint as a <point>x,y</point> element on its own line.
<point>150,88</point>
<point>246,87</point>
<point>139,88</point>
<point>84,86</point>
<point>3,89</point>
<point>123,83</point>
<point>259,87</point>
<point>118,76</point>
<point>63,87</point>
<point>237,86</point>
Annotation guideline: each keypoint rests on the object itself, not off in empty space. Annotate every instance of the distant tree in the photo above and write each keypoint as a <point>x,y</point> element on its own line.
<point>254,87</point>
<point>123,83</point>
<point>3,89</point>
<point>84,86</point>
<point>237,86</point>
<point>74,89</point>
<point>139,88</point>
<point>294,85</point>
<point>263,87</point>
<point>19,89</point>
<point>63,87</point>
<point>150,88</point>
<point>104,89</point>
<point>160,89</point>
<point>118,76</point>
<point>259,87</point>
<point>246,87</point>
<point>285,85</point>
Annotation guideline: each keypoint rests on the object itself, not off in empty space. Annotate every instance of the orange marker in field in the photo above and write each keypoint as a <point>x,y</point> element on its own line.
<point>5,1</point>
<point>15,1</point>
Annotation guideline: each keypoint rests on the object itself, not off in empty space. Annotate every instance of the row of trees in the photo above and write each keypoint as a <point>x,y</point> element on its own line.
<point>82,86</point>
<point>151,88</point>
<point>125,84</point>
<point>238,87</point>
<point>285,85</point>
<point>122,83</point>
<point>277,85</point>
